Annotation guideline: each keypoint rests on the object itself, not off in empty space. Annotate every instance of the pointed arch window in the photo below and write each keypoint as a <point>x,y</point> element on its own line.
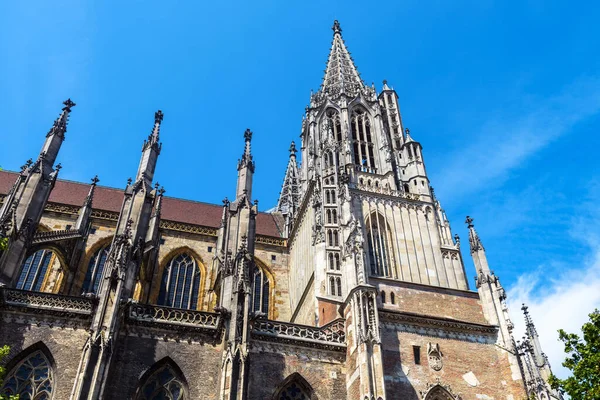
<point>34,270</point>
<point>93,276</point>
<point>164,383</point>
<point>334,122</point>
<point>30,379</point>
<point>362,142</point>
<point>180,283</point>
<point>439,393</point>
<point>379,245</point>
<point>260,300</point>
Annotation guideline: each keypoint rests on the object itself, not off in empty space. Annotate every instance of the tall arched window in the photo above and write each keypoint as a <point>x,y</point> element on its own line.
<point>31,378</point>
<point>162,382</point>
<point>93,276</point>
<point>362,141</point>
<point>260,300</point>
<point>34,270</point>
<point>379,241</point>
<point>333,120</point>
<point>180,283</point>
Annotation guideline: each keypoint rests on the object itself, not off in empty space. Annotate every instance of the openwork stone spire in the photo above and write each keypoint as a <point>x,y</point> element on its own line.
<point>341,75</point>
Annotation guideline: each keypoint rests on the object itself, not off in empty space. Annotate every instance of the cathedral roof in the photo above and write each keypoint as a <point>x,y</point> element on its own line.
<point>341,75</point>
<point>110,199</point>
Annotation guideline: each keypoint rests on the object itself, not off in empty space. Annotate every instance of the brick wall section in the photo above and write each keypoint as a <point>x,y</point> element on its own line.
<point>489,364</point>
<point>200,364</point>
<point>269,369</point>
<point>432,301</point>
<point>65,346</point>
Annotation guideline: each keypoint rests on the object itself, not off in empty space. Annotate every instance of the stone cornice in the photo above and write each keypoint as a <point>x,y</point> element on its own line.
<point>427,288</point>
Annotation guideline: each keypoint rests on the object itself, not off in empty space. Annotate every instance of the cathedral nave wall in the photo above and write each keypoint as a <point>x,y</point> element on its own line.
<point>278,272</point>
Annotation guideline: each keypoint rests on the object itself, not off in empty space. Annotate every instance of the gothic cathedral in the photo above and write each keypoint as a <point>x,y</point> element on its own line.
<point>353,287</point>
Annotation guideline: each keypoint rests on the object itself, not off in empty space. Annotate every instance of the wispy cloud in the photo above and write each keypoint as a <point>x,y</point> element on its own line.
<point>506,141</point>
<point>561,296</point>
<point>562,303</point>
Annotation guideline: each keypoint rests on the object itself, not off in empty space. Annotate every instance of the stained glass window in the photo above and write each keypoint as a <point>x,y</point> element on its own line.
<point>163,384</point>
<point>34,270</point>
<point>31,379</point>
<point>260,299</point>
<point>93,276</point>
<point>180,283</point>
<point>293,391</point>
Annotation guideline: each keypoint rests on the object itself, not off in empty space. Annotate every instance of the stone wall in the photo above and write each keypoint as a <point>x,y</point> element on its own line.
<point>200,364</point>
<point>272,364</point>
<point>475,369</point>
<point>64,345</point>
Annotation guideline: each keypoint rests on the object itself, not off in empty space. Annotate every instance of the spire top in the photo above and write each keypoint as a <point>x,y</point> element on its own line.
<point>154,136</point>
<point>336,27</point>
<point>95,180</point>
<point>247,156</point>
<point>530,327</point>
<point>293,150</point>
<point>408,137</point>
<point>474,240</point>
<point>341,75</point>
<point>90,196</point>
<point>60,125</point>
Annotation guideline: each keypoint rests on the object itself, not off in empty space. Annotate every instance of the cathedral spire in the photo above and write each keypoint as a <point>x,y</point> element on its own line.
<point>341,75</point>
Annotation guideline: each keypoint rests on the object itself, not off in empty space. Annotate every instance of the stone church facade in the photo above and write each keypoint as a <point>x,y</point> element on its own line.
<point>354,287</point>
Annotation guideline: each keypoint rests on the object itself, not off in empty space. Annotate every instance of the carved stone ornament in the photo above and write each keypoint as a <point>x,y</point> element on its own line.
<point>435,356</point>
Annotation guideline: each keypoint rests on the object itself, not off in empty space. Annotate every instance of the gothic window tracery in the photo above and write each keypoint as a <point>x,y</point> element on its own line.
<point>164,383</point>
<point>260,300</point>
<point>379,245</point>
<point>334,122</point>
<point>180,283</point>
<point>362,141</point>
<point>439,393</point>
<point>93,276</point>
<point>35,268</point>
<point>31,378</point>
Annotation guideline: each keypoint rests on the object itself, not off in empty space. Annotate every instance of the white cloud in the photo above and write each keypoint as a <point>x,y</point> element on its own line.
<point>506,141</point>
<point>562,296</point>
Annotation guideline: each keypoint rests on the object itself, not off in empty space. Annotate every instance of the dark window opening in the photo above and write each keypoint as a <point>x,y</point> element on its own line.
<point>417,354</point>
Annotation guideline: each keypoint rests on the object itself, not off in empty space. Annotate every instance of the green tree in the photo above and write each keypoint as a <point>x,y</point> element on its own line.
<point>3,353</point>
<point>3,244</point>
<point>583,360</point>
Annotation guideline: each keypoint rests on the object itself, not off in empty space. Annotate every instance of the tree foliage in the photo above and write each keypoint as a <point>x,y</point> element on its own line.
<point>583,360</point>
<point>3,353</point>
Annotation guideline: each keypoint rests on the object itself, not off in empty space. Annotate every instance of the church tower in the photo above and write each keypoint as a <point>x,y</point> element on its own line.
<point>367,213</point>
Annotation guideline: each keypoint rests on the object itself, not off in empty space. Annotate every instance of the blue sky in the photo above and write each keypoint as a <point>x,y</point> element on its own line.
<point>503,95</point>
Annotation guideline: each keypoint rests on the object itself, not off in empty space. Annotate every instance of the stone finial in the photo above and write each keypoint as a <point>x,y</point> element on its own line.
<point>247,135</point>
<point>95,180</point>
<point>293,150</point>
<point>161,191</point>
<point>158,117</point>
<point>469,222</point>
<point>68,105</point>
<point>336,27</point>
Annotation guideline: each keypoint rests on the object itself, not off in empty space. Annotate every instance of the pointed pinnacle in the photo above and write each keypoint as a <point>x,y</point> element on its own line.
<point>95,180</point>
<point>469,222</point>
<point>293,150</point>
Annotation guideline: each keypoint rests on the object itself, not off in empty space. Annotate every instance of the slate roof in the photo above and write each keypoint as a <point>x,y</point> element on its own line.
<point>111,199</point>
